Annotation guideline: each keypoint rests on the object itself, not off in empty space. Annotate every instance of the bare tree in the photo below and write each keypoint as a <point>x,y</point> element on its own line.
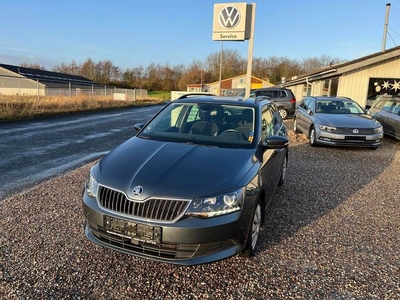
<point>32,66</point>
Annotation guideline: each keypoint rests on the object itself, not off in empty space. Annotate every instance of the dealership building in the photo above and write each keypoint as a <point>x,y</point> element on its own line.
<point>359,79</point>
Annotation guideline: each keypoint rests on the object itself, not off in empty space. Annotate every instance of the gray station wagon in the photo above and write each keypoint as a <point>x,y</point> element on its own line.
<point>387,112</point>
<point>337,121</point>
<point>193,185</point>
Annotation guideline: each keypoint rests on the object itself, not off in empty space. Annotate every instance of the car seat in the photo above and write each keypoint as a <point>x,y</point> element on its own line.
<point>246,125</point>
<point>206,126</point>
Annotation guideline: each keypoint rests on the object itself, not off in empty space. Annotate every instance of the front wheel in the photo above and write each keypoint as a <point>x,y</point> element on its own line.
<point>312,137</point>
<point>254,231</point>
<point>283,112</point>
<point>295,129</point>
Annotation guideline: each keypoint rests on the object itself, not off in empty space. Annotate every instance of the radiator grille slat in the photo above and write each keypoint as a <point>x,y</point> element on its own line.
<point>153,209</point>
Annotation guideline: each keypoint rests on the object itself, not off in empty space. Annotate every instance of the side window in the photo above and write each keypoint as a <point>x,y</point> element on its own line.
<point>267,122</point>
<point>396,108</point>
<point>193,115</point>
<point>282,94</point>
<point>307,103</point>
<point>387,105</point>
<point>302,104</point>
<point>380,104</point>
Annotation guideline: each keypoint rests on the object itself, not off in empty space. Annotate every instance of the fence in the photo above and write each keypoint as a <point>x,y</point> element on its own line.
<point>12,85</point>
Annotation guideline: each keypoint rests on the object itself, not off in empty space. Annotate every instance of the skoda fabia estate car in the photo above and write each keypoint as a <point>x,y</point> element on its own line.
<point>193,185</point>
<point>337,122</point>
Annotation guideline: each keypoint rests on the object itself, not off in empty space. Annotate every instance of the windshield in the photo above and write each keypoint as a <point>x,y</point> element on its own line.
<point>208,124</point>
<point>338,107</point>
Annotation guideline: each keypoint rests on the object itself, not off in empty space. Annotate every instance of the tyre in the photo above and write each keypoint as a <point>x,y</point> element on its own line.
<point>312,137</point>
<point>283,112</point>
<point>283,174</point>
<point>254,231</point>
<point>295,129</point>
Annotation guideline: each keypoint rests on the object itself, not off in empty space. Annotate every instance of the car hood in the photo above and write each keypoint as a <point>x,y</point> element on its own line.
<point>348,120</point>
<point>173,169</point>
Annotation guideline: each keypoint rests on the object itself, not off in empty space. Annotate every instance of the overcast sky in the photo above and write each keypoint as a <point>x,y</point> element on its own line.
<point>131,33</point>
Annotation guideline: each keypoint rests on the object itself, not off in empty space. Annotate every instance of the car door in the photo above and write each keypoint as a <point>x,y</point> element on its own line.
<point>272,159</point>
<point>302,116</point>
<point>384,111</point>
<point>393,120</point>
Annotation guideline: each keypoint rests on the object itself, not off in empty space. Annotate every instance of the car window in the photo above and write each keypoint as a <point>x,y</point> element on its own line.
<point>387,105</point>
<point>267,123</point>
<point>338,107</point>
<point>307,103</point>
<point>282,94</point>
<point>396,108</point>
<point>379,104</point>
<point>230,126</point>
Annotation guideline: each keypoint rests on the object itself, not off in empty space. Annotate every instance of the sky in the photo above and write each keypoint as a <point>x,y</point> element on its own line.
<point>132,33</point>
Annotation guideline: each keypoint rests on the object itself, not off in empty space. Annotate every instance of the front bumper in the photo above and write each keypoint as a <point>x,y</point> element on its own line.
<point>334,139</point>
<point>189,241</point>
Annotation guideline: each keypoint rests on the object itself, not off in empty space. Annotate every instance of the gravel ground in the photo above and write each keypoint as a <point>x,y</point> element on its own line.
<point>332,232</point>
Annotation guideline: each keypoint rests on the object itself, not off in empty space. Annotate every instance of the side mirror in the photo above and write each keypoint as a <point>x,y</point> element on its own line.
<point>309,111</point>
<point>138,126</point>
<point>276,142</point>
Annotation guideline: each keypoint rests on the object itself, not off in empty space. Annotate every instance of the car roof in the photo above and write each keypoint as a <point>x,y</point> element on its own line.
<point>327,98</point>
<point>254,102</point>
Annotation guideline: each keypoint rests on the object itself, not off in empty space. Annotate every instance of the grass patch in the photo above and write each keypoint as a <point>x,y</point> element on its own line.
<point>160,95</point>
<point>25,107</point>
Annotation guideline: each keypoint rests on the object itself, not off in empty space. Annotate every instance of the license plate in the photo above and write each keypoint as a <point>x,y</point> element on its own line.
<point>358,139</point>
<point>135,231</point>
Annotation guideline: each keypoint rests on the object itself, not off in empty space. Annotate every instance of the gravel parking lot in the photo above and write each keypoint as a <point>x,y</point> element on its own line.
<point>332,232</point>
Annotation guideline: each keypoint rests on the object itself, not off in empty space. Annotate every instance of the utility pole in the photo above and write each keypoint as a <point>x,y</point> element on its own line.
<point>385,27</point>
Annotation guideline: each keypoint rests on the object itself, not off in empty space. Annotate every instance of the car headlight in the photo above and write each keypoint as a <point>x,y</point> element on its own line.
<point>91,185</point>
<point>378,130</point>
<point>217,205</point>
<point>327,128</point>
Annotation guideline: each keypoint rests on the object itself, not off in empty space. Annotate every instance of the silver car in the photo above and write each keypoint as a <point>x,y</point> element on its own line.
<point>387,112</point>
<point>337,122</point>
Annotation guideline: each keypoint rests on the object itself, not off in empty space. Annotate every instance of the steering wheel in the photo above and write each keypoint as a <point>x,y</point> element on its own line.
<point>236,132</point>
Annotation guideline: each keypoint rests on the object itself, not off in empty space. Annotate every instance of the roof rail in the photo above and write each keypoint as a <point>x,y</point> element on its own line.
<point>195,94</point>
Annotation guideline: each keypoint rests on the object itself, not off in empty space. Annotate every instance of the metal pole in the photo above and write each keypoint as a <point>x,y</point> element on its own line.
<point>250,52</point>
<point>220,66</point>
<point>37,84</point>
<point>19,82</point>
<point>385,26</point>
<point>201,79</point>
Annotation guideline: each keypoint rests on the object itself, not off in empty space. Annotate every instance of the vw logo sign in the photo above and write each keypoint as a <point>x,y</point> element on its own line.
<point>229,17</point>
<point>137,191</point>
<point>355,131</point>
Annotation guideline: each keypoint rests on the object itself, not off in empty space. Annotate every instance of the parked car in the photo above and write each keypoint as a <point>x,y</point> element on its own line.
<point>283,98</point>
<point>193,185</point>
<point>371,100</point>
<point>387,112</point>
<point>337,122</point>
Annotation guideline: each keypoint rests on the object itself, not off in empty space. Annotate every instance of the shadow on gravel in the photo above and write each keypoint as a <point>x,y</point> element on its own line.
<point>318,180</point>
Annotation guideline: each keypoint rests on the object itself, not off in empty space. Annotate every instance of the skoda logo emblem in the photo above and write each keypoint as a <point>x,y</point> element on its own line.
<point>355,131</point>
<point>229,17</point>
<point>137,191</point>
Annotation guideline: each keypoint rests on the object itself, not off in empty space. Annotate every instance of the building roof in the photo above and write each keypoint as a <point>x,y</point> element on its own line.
<point>50,79</point>
<point>339,69</point>
<point>239,76</point>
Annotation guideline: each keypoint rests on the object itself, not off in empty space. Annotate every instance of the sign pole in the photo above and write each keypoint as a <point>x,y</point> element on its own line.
<point>250,53</point>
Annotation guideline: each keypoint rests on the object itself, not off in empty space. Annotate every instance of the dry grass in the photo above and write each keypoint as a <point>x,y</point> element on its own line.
<point>23,107</point>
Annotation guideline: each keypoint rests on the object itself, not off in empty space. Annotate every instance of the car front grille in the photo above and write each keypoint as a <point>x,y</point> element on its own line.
<point>349,131</point>
<point>165,210</point>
